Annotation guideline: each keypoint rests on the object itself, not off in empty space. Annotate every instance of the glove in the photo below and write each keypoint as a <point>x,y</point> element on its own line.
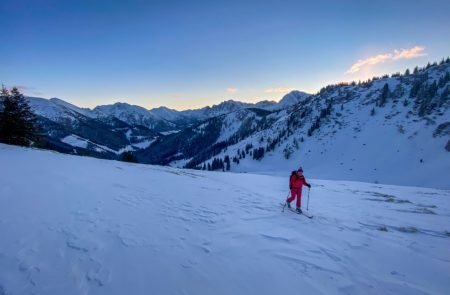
<point>308,185</point>
<point>290,187</point>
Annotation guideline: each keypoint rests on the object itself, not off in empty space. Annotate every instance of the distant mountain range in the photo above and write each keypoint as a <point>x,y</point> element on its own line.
<point>158,119</point>
<point>109,130</point>
<point>390,129</point>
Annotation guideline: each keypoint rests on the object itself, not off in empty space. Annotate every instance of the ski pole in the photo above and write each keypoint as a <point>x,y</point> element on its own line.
<point>285,201</point>
<point>307,205</point>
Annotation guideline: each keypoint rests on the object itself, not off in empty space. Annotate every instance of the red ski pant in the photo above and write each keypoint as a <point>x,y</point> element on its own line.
<point>296,192</point>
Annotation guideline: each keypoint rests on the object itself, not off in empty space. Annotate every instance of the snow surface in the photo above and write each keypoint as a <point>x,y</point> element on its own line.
<point>78,225</point>
<point>75,140</point>
<point>78,141</point>
<point>143,144</point>
<point>170,132</point>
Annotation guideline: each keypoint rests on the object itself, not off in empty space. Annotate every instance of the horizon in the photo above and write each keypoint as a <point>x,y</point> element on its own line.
<point>113,102</point>
<point>191,55</point>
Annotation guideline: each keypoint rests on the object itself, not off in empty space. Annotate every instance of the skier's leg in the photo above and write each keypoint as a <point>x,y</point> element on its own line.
<point>299,198</point>
<point>292,196</point>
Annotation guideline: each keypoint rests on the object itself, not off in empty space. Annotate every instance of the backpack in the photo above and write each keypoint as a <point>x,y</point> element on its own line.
<point>293,174</point>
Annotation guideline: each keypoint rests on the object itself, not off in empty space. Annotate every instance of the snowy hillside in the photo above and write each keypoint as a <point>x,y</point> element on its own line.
<point>77,225</point>
<point>393,130</point>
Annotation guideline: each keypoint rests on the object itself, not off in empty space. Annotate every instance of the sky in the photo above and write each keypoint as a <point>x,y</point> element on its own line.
<point>189,54</point>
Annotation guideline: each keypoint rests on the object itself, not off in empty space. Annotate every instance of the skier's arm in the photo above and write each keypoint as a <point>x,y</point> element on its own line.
<point>306,183</point>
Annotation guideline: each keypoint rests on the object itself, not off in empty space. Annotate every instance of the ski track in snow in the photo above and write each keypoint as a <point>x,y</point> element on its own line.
<point>88,226</point>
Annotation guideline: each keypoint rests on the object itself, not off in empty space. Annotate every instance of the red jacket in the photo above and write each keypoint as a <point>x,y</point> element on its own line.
<point>296,181</point>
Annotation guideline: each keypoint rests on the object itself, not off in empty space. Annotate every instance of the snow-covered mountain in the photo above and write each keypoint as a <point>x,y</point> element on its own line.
<point>136,115</point>
<point>373,131</point>
<point>78,225</point>
<point>70,129</point>
<point>159,119</point>
<point>56,109</point>
<point>229,106</point>
<point>225,107</point>
<point>168,114</point>
<point>290,99</point>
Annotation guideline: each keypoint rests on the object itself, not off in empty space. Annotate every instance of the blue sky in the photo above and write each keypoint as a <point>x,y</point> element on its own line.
<point>188,54</point>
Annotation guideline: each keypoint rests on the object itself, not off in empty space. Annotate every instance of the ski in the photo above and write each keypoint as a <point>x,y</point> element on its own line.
<point>293,210</point>
<point>306,215</point>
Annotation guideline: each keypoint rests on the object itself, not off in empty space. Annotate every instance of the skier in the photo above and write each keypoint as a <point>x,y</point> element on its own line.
<point>296,181</point>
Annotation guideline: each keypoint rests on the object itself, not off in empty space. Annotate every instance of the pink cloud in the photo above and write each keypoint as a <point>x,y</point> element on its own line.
<point>413,52</point>
<point>409,53</point>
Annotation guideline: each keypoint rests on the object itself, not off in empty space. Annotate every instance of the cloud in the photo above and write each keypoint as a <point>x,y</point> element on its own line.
<point>413,52</point>
<point>232,90</point>
<point>278,90</point>
<point>409,53</point>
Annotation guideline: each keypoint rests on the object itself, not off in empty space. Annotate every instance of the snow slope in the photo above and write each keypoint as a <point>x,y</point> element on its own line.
<point>358,140</point>
<point>380,153</point>
<point>77,225</point>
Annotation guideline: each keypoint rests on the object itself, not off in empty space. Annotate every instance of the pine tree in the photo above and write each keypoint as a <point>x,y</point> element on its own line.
<point>415,88</point>
<point>129,157</point>
<point>287,152</point>
<point>295,143</point>
<point>423,100</point>
<point>447,77</point>
<point>227,162</point>
<point>433,89</point>
<point>385,93</point>
<point>445,96</point>
<point>17,121</point>
<point>441,82</point>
